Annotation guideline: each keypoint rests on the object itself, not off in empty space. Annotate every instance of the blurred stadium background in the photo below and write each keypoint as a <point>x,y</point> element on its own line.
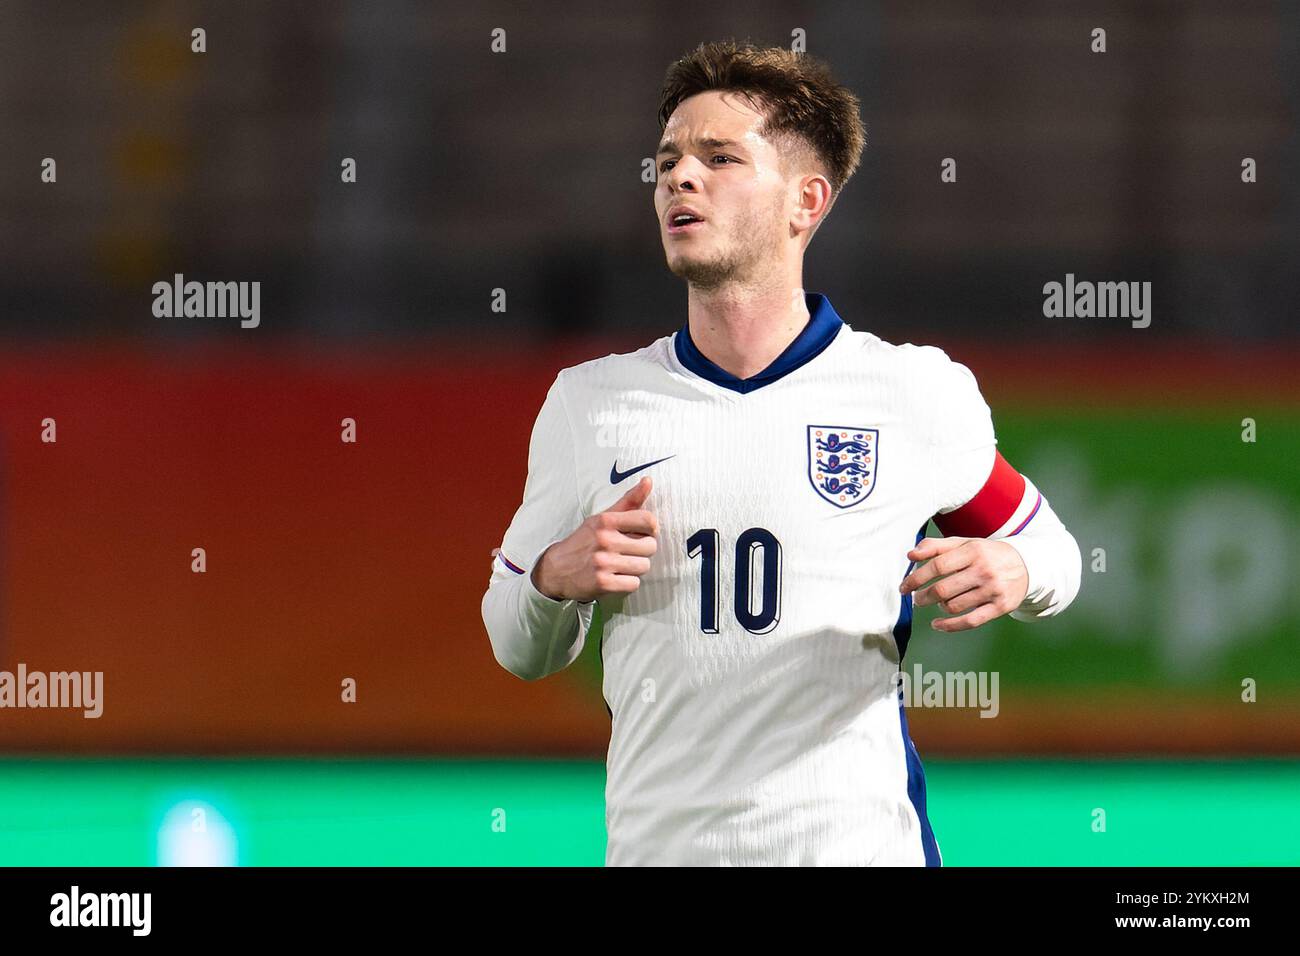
<point>522,171</point>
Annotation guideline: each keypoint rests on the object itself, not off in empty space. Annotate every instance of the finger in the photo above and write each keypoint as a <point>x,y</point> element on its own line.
<point>616,542</point>
<point>633,522</point>
<point>928,548</point>
<point>948,589</point>
<point>967,600</point>
<point>948,563</point>
<point>634,497</point>
<point>608,582</point>
<point>622,564</point>
<point>640,546</point>
<point>964,622</point>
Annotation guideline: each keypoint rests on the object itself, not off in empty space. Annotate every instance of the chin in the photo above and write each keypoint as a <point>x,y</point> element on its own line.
<point>683,268</point>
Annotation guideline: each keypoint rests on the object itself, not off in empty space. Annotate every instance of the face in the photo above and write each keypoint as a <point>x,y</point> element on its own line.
<point>712,159</point>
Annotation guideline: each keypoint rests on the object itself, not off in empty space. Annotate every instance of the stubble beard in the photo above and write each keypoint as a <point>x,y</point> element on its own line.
<point>754,244</point>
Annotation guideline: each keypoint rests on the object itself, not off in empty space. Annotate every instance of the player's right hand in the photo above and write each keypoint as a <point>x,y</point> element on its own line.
<point>606,555</point>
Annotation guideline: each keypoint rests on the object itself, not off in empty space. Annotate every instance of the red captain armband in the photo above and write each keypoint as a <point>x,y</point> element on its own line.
<point>991,507</point>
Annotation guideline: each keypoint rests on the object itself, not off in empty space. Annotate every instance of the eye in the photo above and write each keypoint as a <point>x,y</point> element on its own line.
<point>669,163</point>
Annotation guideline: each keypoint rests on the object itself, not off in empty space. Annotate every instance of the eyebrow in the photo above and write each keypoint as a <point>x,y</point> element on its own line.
<point>668,146</point>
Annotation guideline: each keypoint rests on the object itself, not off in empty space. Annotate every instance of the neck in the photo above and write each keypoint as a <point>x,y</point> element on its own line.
<point>742,329</point>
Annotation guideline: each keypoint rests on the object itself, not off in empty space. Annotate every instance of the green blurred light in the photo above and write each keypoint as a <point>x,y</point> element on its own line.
<point>366,812</point>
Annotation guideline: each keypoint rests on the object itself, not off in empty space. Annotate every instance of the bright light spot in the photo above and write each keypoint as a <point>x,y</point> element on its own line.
<point>194,833</point>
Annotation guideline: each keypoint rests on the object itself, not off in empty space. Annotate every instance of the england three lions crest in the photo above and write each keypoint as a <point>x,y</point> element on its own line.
<point>842,462</point>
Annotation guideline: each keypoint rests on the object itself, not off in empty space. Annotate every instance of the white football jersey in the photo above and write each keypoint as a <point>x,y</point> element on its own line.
<point>751,678</point>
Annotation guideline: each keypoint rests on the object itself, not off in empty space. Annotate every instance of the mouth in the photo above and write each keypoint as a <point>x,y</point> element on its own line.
<point>683,220</point>
<point>684,224</point>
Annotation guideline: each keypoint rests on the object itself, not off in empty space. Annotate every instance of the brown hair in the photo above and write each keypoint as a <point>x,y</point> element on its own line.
<point>802,105</point>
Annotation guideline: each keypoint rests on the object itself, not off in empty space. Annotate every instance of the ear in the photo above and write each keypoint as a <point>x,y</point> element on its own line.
<point>817,195</point>
<point>814,204</point>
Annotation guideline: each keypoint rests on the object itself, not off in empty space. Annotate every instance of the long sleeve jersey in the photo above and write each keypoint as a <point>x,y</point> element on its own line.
<point>750,679</point>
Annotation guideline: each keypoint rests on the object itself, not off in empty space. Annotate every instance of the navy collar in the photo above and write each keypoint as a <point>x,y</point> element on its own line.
<point>823,325</point>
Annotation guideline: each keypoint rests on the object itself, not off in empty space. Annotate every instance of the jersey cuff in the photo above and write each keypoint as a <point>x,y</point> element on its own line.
<point>496,553</point>
<point>531,585</point>
<point>538,595</point>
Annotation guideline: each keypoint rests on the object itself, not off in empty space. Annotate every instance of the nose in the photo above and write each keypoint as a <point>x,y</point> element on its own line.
<point>678,177</point>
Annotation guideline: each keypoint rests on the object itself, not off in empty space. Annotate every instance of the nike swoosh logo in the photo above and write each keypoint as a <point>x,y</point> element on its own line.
<point>615,476</point>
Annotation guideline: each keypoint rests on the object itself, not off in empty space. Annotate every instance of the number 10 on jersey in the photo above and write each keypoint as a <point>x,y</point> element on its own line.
<point>704,544</point>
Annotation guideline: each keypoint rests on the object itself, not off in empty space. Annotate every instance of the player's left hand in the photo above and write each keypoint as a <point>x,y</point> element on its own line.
<point>973,579</point>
